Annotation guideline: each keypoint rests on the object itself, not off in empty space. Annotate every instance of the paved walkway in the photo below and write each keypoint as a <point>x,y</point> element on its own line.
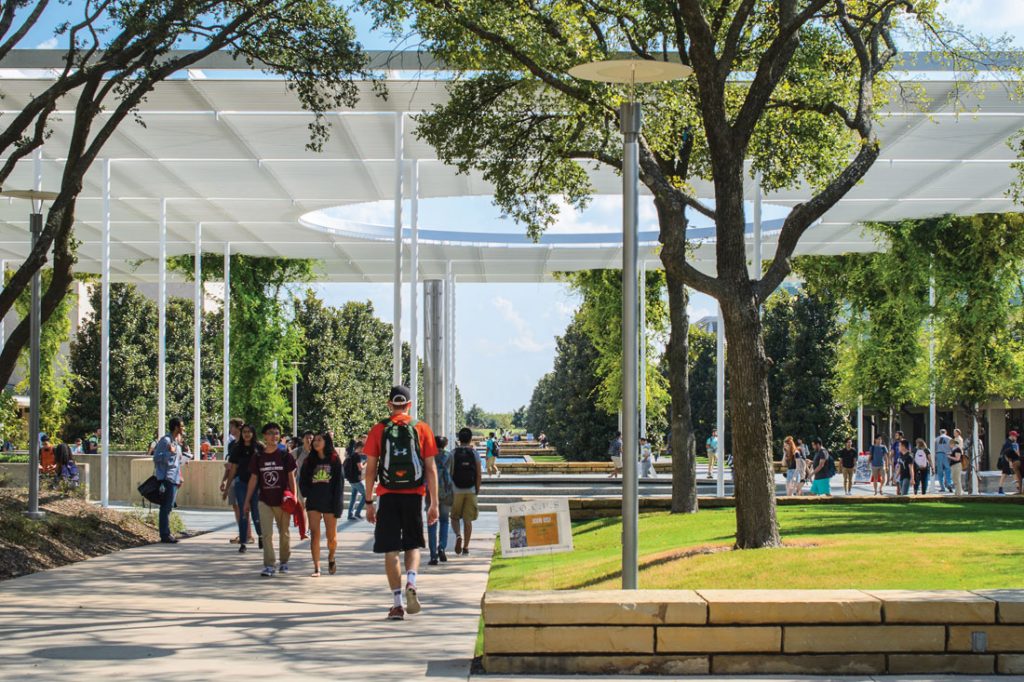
<point>198,610</point>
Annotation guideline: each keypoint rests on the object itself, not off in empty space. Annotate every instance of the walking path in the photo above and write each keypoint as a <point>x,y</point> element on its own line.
<point>198,610</point>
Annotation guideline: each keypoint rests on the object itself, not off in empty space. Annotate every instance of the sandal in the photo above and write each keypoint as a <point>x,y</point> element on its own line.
<point>315,573</point>
<point>235,540</point>
<point>332,567</point>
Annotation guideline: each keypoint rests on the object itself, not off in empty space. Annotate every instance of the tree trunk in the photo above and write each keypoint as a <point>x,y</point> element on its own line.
<point>753,475</point>
<point>684,462</point>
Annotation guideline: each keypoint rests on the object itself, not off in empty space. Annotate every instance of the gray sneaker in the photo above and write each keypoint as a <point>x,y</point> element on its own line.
<point>284,569</point>
<point>267,572</point>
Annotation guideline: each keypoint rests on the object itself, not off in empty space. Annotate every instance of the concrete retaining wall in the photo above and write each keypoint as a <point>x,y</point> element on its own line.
<point>754,632</point>
<point>16,474</point>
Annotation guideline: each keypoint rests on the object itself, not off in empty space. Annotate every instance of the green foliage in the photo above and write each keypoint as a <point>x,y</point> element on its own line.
<point>803,332</point>
<point>600,314</point>
<point>519,417</point>
<point>266,344</point>
<point>702,362</point>
<point>474,416</point>
<point>11,424</point>
<point>563,404</point>
<point>54,392</point>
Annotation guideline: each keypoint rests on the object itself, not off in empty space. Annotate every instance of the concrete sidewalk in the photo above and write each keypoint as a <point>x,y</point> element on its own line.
<point>199,610</point>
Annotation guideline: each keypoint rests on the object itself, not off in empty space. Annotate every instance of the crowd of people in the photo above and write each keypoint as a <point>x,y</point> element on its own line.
<point>395,471</point>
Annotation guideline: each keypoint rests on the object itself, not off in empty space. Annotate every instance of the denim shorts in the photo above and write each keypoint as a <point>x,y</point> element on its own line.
<point>792,475</point>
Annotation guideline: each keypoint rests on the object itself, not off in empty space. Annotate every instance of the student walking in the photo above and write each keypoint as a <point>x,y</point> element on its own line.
<point>848,464</point>
<point>437,532</point>
<point>794,470</point>
<point>711,450</point>
<point>354,467</point>
<point>1009,462</point>
<point>615,454</point>
<point>167,464</point>
<point>924,465</point>
<point>240,454</point>
<point>943,473</point>
<point>956,467</point>
<point>272,473</point>
<point>824,469</point>
<point>905,471</point>
<point>879,456</point>
<point>492,456</point>
<point>322,486</point>
<point>894,454</point>
<point>466,480</point>
<point>400,455</point>
<point>646,459</point>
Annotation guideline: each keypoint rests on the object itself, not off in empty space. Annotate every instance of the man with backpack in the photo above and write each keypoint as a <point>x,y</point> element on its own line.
<point>492,456</point>
<point>353,470</point>
<point>1009,461</point>
<point>400,455</point>
<point>943,473</point>
<point>466,480</point>
<point>924,465</point>
<point>437,532</point>
<point>824,469</point>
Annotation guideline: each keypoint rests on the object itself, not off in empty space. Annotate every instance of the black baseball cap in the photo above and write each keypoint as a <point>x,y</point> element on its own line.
<point>399,395</point>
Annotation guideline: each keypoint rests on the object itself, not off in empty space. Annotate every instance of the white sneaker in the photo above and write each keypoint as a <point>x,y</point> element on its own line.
<point>267,572</point>
<point>284,569</point>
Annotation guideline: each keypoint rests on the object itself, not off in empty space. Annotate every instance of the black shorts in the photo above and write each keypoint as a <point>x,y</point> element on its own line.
<point>399,523</point>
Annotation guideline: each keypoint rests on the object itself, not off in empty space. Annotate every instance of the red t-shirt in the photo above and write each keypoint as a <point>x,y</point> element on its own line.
<point>272,475</point>
<point>428,448</point>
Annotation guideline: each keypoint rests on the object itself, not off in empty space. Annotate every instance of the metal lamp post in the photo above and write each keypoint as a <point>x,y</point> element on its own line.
<point>630,72</point>
<point>37,197</point>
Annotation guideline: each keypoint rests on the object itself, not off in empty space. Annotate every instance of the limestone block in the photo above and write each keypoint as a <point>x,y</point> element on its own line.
<point>595,607</point>
<point>609,639</point>
<point>756,607</point>
<point>942,664</point>
<point>799,639</point>
<point>999,638</point>
<point>596,665</point>
<point>827,664</point>
<point>1009,604</point>
<point>1010,664</point>
<point>934,606</point>
<point>710,640</point>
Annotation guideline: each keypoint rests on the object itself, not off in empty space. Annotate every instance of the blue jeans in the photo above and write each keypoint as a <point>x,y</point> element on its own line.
<point>432,531</point>
<point>903,488</point>
<point>166,505</point>
<point>921,481</point>
<point>943,473</point>
<point>360,490</point>
<point>254,510</point>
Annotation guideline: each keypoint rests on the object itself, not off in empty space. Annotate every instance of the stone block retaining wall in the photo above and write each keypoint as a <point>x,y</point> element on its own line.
<point>755,632</point>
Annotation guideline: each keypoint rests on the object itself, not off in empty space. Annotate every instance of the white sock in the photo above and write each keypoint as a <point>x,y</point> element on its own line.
<point>410,579</point>
<point>397,594</point>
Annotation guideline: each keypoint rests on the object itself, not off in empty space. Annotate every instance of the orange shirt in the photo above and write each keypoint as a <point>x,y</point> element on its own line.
<point>428,448</point>
<point>47,459</point>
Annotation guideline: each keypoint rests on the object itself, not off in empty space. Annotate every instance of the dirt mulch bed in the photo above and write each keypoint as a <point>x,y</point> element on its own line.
<point>72,530</point>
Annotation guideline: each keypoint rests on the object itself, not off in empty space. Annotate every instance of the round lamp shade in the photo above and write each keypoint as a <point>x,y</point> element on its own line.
<point>630,71</point>
<point>30,194</point>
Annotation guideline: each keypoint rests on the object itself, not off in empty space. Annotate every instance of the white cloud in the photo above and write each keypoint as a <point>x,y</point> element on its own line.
<point>523,339</point>
<point>992,17</point>
<point>49,44</point>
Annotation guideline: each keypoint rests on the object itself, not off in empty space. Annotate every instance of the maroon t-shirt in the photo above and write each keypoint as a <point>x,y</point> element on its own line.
<point>272,475</point>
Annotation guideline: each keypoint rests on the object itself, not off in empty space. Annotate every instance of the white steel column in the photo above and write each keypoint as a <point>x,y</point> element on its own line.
<point>227,346</point>
<point>396,350</point>
<point>757,227</point>
<point>3,283</point>
<point>161,400</point>
<point>720,401</point>
<point>105,343</point>
<point>414,279</point>
<point>931,367</point>
<point>197,330</point>
<point>449,339</point>
<point>643,349</point>
<point>860,424</point>
<point>975,452</point>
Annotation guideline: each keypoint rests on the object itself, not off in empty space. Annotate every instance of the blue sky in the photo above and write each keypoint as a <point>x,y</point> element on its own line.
<point>506,333</point>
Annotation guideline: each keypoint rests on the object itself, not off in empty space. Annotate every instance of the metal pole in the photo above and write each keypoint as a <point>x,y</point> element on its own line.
<point>161,400</point>
<point>643,349</point>
<point>197,330</point>
<point>227,347</point>
<point>630,117</point>
<point>931,370</point>
<point>105,343</point>
<point>453,417</point>
<point>860,425</point>
<point>434,395</point>
<point>295,402</point>
<point>3,283</point>
<point>396,351</point>
<point>720,400</point>
<point>757,226</point>
<point>414,318</point>
<point>975,451</point>
<point>36,227</point>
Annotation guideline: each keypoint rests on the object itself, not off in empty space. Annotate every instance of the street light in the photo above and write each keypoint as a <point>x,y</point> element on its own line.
<point>37,197</point>
<point>630,72</point>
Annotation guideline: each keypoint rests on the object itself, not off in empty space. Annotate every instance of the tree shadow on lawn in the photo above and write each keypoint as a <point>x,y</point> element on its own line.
<point>946,517</point>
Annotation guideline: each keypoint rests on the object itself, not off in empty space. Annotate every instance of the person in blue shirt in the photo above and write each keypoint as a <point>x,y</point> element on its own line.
<point>878,454</point>
<point>711,448</point>
<point>167,464</point>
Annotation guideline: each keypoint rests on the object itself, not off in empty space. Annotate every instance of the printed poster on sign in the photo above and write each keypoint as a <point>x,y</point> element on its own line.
<point>535,527</point>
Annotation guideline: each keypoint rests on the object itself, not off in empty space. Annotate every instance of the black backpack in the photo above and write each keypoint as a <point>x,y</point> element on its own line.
<point>401,464</point>
<point>351,468</point>
<point>464,467</point>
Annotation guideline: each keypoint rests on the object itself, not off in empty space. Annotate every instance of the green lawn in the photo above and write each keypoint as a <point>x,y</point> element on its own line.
<point>547,458</point>
<point>884,546</point>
